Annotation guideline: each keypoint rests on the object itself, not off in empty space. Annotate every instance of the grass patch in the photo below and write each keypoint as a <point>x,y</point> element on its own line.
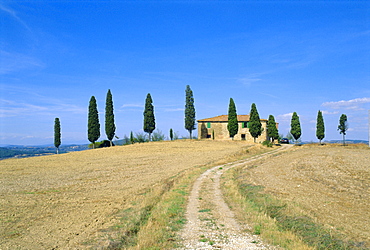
<point>257,229</point>
<point>204,210</point>
<point>204,239</point>
<point>125,233</point>
<point>312,233</point>
<point>252,214</point>
<point>168,215</point>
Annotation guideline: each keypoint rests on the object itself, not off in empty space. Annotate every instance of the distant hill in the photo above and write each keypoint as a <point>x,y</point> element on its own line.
<point>17,151</point>
<point>21,151</point>
<point>348,141</point>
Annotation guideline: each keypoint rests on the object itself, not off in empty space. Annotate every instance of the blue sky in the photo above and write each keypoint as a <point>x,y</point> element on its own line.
<point>285,56</point>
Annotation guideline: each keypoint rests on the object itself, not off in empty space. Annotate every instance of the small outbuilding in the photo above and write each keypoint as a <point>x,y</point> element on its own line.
<point>216,128</point>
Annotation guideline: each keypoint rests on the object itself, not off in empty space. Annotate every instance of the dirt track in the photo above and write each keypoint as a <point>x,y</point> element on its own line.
<point>67,201</point>
<point>210,222</point>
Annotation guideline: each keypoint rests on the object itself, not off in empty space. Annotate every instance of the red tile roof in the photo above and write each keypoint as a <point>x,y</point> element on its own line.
<point>223,118</point>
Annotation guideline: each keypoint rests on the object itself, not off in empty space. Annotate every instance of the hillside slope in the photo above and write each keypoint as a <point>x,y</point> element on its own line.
<point>68,200</point>
<point>329,184</point>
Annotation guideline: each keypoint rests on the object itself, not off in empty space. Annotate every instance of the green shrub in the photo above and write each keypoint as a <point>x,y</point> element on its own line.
<point>101,144</point>
<point>267,144</point>
<point>158,136</point>
<point>141,137</point>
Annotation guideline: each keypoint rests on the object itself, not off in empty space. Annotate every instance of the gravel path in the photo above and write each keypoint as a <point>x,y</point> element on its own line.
<point>210,222</point>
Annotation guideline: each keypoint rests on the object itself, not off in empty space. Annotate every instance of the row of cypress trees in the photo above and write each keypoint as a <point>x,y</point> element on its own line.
<point>149,118</point>
<point>296,132</point>
<point>93,133</point>
<point>255,126</point>
<point>93,125</point>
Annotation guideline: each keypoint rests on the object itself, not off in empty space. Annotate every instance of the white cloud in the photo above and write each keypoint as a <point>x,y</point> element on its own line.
<point>285,116</point>
<point>269,95</point>
<point>9,108</point>
<point>71,108</point>
<point>14,15</point>
<point>174,109</point>
<point>132,106</point>
<point>354,104</point>
<point>324,112</point>
<point>248,80</point>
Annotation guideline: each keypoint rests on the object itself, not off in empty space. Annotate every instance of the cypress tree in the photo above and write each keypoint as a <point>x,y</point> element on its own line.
<point>232,120</point>
<point>110,127</point>
<point>93,125</point>
<point>295,127</point>
<point>272,131</point>
<point>149,119</point>
<point>320,126</point>
<point>132,138</point>
<point>343,127</point>
<point>171,134</point>
<point>255,125</point>
<point>57,134</point>
<point>189,111</point>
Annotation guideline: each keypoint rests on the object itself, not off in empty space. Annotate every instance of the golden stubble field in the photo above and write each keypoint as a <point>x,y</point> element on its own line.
<point>70,201</point>
<point>328,183</point>
<point>65,201</point>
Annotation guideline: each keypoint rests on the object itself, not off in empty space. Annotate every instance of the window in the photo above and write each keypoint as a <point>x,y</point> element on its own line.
<point>208,125</point>
<point>245,124</point>
<point>243,137</point>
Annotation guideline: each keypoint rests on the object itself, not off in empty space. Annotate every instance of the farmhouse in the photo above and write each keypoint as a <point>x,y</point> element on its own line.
<point>217,127</point>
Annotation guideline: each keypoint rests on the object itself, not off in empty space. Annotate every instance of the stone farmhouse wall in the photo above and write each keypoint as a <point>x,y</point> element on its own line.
<point>206,130</point>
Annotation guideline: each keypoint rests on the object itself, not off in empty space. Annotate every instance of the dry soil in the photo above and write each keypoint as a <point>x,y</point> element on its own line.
<point>65,201</point>
<point>329,183</point>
